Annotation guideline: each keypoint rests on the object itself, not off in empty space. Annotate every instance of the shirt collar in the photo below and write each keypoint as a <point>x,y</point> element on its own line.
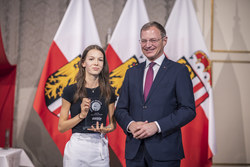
<point>158,61</point>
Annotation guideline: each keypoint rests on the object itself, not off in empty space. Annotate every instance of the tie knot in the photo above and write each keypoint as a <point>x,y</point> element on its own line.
<point>152,64</point>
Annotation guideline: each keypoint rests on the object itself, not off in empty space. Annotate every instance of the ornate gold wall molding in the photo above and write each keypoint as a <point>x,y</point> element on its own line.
<point>229,61</point>
<point>212,35</point>
<point>212,69</point>
<point>230,164</point>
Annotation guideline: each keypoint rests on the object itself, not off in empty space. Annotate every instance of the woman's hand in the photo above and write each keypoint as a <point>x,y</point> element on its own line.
<point>101,128</point>
<point>85,105</point>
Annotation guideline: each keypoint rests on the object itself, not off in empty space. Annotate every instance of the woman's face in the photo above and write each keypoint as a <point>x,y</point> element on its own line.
<point>94,62</point>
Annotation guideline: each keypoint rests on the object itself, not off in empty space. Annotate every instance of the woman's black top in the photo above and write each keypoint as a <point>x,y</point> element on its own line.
<point>98,108</point>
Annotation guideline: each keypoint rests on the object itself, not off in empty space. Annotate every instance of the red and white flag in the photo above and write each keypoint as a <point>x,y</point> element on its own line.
<point>76,31</point>
<point>123,52</point>
<point>187,46</point>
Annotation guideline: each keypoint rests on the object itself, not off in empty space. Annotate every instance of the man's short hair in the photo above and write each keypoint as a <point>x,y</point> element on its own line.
<point>154,24</point>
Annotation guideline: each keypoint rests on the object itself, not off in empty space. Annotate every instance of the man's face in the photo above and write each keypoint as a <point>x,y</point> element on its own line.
<point>152,43</point>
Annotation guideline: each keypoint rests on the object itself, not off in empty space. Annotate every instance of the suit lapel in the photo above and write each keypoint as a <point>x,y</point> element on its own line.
<point>140,74</point>
<point>160,74</point>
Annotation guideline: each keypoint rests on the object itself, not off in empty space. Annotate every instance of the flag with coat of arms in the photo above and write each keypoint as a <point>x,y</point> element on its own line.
<point>187,46</point>
<point>76,31</point>
<point>124,52</point>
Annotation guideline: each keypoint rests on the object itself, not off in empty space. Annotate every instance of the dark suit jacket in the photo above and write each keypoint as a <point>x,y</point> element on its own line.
<point>170,102</point>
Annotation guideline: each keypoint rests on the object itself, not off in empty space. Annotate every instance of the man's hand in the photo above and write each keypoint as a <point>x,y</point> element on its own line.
<point>145,130</point>
<point>135,126</point>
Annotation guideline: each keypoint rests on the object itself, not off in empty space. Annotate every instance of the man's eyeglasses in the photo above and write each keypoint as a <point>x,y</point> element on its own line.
<point>152,41</point>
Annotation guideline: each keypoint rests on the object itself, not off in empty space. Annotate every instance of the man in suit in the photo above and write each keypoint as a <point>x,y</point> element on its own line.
<point>156,100</point>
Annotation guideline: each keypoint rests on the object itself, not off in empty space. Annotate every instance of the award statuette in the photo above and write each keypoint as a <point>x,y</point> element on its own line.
<point>94,115</point>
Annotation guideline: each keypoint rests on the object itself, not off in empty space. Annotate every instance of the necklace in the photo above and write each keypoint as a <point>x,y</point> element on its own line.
<point>93,90</point>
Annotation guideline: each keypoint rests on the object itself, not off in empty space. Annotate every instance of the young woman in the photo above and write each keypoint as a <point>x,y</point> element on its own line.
<point>89,101</point>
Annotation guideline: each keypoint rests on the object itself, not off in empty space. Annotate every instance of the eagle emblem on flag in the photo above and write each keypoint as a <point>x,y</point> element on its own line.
<point>57,81</point>
<point>118,74</point>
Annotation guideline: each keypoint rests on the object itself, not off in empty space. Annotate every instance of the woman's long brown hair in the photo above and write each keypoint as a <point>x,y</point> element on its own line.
<point>103,77</point>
